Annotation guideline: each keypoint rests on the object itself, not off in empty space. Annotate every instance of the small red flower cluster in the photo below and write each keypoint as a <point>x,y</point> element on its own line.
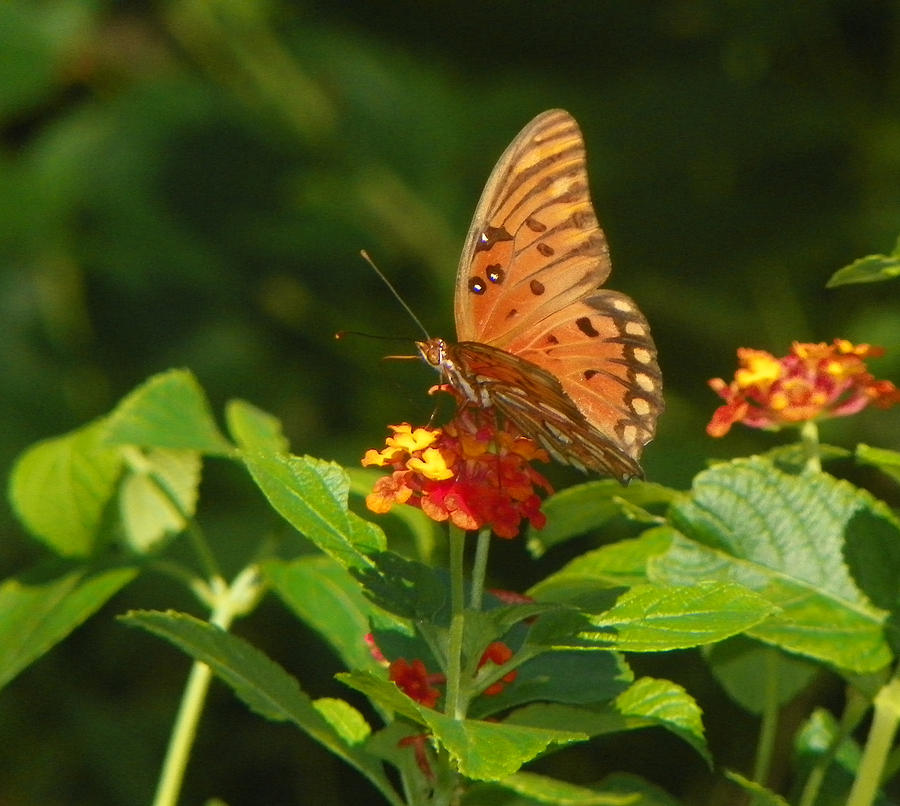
<point>414,681</point>
<point>815,381</point>
<point>471,472</point>
<point>497,653</point>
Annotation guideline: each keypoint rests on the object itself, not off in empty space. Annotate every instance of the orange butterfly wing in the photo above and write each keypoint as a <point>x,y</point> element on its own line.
<point>572,364</point>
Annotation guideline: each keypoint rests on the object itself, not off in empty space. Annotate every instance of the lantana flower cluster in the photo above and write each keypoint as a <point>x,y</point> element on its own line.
<point>813,382</point>
<point>472,472</point>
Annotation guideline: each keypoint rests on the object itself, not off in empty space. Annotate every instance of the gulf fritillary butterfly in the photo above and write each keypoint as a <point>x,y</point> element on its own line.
<point>571,364</point>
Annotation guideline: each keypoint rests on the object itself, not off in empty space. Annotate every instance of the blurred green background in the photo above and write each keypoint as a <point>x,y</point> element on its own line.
<point>189,183</point>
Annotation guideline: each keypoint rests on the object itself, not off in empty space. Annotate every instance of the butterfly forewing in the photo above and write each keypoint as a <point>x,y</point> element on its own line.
<point>571,364</point>
<point>534,244</point>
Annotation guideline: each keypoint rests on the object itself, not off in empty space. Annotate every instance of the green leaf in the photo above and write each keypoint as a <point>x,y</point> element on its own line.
<point>618,788</point>
<point>253,429</point>
<point>542,789</point>
<point>347,722</point>
<point>169,410</point>
<point>619,564</point>
<point>264,686</point>
<point>647,703</point>
<point>327,598</point>
<point>158,494</point>
<point>869,269</point>
<point>651,618</point>
<point>42,606</point>
<point>574,678</point>
<point>886,461</point>
<point>751,672</point>
<point>761,796</point>
<point>484,751</point>
<point>591,506</point>
<point>407,588</point>
<point>490,751</point>
<point>311,495</point>
<point>784,537</point>
<point>60,489</point>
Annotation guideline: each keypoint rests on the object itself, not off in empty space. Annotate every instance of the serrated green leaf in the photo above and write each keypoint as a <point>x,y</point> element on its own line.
<point>157,495</point>
<point>407,588</point>
<point>169,410</point>
<point>490,751</point>
<point>60,489</point>
<point>619,564</point>
<point>543,789</point>
<point>263,685</point>
<point>651,618</point>
<point>586,507</point>
<point>784,537</point>
<point>573,678</point>
<point>623,787</point>
<point>347,722</point>
<point>752,673</point>
<point>42,606</point>
<point>253,429</point>
<point>311,495</point>
<point>484,751</point>
<point>647,703</point>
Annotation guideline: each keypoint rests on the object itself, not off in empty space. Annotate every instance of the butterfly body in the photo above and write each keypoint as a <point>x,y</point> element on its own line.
<point>572,364</point>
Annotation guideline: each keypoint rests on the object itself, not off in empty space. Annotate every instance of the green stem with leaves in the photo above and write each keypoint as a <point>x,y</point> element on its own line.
<point>228,603</point>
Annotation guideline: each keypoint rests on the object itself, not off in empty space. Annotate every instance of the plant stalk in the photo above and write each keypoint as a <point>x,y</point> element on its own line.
<point>455,707</point>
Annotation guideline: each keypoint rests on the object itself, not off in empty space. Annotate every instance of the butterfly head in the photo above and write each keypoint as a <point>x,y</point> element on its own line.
<point>444,357</point>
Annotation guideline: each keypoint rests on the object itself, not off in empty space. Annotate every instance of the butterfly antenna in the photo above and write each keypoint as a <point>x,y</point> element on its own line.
<point>365,256</point>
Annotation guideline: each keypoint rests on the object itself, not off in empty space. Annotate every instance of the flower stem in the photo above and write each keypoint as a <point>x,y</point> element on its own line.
<point>809,438</point>
<point>237,599</point>
<point>769,725</point>
<point>479,569</point>
<point>455,707</point>
<point>881,736</point>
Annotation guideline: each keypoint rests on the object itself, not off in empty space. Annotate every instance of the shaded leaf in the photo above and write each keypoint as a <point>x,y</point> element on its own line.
<point>750,672</point>
<point>41,607</point>
<point>587,507</point>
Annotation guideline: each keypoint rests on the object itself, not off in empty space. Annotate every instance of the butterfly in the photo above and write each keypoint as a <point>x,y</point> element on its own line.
<point>570,363</point>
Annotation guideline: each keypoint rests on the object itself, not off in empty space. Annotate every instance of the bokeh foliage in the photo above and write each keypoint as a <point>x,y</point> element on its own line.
<point>188,183</point>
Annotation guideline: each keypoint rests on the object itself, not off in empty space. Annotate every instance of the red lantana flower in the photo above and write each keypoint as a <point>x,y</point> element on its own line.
<point>414,680</point>
<point>471,472</point>
<point>498,653</point>
<point>813,382</point>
